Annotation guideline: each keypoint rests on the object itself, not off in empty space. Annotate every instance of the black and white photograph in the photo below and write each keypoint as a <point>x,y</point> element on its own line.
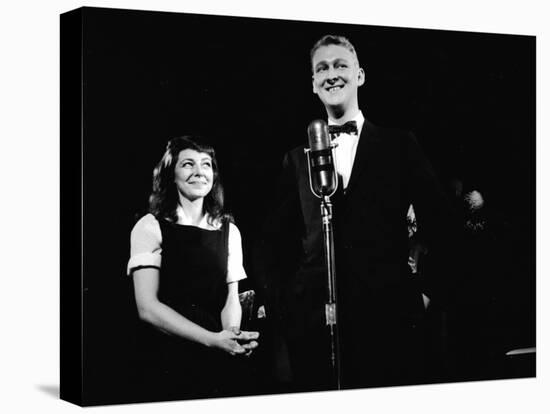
<point>266,207</point>
<point>275,206</point>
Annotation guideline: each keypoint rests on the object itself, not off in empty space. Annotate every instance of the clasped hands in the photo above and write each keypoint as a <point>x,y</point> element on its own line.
<point>237,342</point>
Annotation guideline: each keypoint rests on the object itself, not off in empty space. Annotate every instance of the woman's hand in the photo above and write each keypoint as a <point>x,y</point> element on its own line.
<point>236,342</point>
<point>247,339</point>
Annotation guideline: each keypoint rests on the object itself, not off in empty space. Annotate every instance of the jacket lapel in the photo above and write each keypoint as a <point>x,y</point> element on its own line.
<point>367,141</point>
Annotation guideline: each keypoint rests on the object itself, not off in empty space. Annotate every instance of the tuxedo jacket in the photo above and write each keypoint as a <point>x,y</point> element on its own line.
<point>375,288</point>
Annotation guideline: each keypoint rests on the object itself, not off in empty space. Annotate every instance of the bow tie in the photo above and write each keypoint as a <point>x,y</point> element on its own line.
<point>349,127</point>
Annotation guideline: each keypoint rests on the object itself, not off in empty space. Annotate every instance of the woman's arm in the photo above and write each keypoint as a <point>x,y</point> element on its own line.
<point>164,318</point>
<point>231,312</point>
<point>231,319</point>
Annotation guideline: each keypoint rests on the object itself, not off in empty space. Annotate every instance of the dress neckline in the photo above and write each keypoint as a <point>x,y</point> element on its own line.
<point>193,226</point>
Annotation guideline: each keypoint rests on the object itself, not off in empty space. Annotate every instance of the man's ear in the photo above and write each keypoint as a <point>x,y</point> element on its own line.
<point>360,77</point>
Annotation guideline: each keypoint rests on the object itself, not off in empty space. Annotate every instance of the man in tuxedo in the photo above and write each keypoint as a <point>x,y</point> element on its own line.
<point>380,306</point>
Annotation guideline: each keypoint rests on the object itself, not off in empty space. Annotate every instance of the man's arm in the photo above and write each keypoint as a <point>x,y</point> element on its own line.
<point>438,227</point>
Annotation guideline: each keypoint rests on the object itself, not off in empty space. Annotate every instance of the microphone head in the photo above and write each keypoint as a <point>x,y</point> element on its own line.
<point>317,132</point>
<point>322,174</point>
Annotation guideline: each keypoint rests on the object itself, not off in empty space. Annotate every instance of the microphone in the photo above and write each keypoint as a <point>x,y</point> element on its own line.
<point>322,172</point>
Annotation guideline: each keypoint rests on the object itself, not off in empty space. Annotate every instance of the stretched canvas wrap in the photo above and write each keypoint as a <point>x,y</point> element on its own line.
<point>132,80</point>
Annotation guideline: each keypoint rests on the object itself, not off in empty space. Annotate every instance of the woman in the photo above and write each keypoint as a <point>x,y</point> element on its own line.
<point>186,263</point>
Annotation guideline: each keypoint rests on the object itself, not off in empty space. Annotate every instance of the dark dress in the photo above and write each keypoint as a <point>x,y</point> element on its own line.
<point>192,282</point>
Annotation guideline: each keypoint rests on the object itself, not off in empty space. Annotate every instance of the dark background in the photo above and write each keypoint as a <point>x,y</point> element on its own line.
<point>246,84</point>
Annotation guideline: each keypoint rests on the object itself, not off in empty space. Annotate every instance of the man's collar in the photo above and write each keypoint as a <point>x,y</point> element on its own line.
<point>359,119</point>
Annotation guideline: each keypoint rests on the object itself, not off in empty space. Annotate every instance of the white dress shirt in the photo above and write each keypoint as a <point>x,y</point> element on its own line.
<point>346,149</point>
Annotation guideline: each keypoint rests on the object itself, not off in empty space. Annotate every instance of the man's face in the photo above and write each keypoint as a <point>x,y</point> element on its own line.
<point>336,77</point>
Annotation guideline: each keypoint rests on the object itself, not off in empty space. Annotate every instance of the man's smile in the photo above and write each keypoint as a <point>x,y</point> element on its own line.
<point>334,88</point>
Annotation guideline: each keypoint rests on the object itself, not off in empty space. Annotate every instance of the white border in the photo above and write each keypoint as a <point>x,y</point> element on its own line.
<point>29,158</point>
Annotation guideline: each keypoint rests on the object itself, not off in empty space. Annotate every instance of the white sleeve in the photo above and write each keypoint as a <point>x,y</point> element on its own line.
<point>235,269</point>
<point>145,244</point>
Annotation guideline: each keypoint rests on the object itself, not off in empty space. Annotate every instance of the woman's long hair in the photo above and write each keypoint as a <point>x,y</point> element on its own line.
<point>163,201</point>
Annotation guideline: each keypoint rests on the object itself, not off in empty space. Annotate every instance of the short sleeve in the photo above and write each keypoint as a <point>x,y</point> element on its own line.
<point>235,269</point>
<point>145,244</point>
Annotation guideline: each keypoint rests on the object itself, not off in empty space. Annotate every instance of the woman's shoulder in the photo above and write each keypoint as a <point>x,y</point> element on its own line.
<point>146,224</point>
<point>232,226</point>
<point>234,232</point>
<point>229,221</point>
<point>225,221</point>
<point>146,236</point>
<point>229,225</point>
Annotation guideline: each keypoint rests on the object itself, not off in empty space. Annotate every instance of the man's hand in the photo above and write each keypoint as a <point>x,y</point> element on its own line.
<point>416,252</point>
<point>475,200</point>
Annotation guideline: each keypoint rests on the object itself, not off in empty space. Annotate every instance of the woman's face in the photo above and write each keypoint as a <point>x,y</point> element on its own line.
<point>193,174</point>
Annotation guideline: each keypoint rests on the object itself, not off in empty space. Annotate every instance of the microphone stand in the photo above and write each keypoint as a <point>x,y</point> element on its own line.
<point>330,306</point>
<point>328,238</point>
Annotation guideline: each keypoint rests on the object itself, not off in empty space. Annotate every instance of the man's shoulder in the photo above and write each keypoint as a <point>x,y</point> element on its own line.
<point>295,155</point>
<point>386,132</point>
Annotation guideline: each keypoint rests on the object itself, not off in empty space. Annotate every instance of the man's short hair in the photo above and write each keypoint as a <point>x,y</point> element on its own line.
<point>333,40</point>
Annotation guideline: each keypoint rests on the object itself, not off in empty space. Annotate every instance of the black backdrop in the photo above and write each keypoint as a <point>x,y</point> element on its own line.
<point>246,84</point>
